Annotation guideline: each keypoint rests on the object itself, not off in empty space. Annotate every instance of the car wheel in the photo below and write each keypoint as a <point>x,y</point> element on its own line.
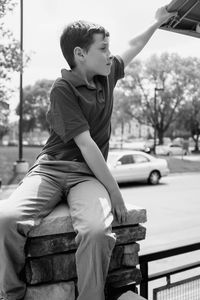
<point>154,177</point>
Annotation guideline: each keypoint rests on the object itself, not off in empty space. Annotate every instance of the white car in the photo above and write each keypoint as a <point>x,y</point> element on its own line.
<point>172,149</point>
<point>132,165</point>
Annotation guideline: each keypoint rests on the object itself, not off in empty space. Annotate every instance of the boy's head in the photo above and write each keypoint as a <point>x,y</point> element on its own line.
<point>79,34</point>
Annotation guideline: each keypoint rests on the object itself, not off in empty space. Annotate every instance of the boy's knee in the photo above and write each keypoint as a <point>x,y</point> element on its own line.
<point>96,226</point>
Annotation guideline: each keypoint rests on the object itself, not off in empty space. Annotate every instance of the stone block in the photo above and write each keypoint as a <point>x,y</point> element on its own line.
<point>39,271</point>
<point>116,258</point>
<point>124,276</point>
<point>130,255</point>
<point>135,215</point>
<point>126,255</point>
<point>129,234</point>
<point>62,266</point>
<point>59,220</point>
<point>52,244</point>
<point>57,291</point>
<point>50,268</point>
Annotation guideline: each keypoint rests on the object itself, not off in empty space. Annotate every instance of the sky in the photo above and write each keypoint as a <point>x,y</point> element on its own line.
<point>44,21</point>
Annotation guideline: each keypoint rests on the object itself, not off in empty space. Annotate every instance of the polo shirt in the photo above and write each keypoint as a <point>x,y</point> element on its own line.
<point>76,107</point>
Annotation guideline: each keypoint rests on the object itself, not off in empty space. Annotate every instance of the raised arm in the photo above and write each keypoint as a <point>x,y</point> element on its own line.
<point>137,43</point>
<point>97,164</point>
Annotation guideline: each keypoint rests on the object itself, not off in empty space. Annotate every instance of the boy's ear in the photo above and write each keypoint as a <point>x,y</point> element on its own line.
<point>79,53</point>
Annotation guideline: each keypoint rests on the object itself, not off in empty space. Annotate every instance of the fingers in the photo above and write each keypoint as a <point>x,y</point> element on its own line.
<point>164,13</point>
<point>167,7</point>
<point>121,214</point>
<point>171,13</point>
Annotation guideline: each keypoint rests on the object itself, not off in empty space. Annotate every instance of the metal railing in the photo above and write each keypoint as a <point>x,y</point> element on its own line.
<point>188,288</point>
<point>146,258</point>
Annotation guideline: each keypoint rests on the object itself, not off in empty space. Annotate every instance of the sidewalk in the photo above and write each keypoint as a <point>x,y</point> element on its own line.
<point>189,157</point>
<point>192,157</point>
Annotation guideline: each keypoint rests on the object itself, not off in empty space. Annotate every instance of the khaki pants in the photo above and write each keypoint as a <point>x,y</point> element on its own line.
<point>44,186</point>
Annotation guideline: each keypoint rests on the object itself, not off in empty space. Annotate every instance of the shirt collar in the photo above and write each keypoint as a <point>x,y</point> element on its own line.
<point>78,81</point>
<point>74,79</point>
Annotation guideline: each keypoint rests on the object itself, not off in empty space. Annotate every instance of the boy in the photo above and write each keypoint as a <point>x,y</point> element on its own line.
<point>72,164</point>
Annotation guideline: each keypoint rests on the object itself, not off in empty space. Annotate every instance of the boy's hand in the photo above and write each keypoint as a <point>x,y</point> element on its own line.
<point>118,207</point>
<point>162,15</point>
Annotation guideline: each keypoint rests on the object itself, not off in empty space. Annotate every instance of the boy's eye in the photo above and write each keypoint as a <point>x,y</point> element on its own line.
<point>104,48</point>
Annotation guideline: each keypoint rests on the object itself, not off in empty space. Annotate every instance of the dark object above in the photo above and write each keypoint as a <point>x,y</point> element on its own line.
<point>187,20</point>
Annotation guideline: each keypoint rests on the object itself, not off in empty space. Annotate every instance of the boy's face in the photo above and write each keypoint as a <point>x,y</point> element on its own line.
<point>98,59</point>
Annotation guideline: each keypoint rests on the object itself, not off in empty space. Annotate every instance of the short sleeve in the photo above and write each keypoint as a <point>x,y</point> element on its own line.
<point>119,67</point>
<point>117,70</point>
<point>65,115</point>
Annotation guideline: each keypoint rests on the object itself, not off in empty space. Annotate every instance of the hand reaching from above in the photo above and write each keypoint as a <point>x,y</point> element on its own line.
<point>162,15</point>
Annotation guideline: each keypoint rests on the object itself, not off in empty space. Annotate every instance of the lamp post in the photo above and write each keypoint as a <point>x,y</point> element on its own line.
<point>21,86</point>
<point>21,166</point>
<point>155,116</point>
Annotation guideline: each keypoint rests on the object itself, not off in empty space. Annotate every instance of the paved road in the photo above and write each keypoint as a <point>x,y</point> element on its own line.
<point>173,209</point>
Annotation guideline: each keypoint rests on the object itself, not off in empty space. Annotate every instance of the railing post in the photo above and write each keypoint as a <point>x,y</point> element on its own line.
<point>144,282</point>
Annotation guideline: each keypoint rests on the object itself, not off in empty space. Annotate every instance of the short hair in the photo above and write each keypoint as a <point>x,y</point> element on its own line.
<point>78,34</point>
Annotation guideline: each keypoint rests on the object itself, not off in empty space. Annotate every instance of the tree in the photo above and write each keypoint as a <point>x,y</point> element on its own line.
<point>35,104</point>
<point>122,112</point>
<point>163,84</point>
<point>188,117</point>
<point>10,61</point>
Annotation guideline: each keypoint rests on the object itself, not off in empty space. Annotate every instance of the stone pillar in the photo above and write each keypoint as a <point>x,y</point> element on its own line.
<point>50,269</point>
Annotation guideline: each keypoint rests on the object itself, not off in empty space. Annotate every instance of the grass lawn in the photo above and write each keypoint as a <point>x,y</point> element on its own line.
<point>177,165</point>
<point>9,155</point>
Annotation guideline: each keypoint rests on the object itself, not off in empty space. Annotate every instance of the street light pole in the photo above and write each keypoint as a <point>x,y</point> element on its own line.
<point>155,116</point>
<point>21,87</point>
<point>21,166</point>
<point>155,120</point>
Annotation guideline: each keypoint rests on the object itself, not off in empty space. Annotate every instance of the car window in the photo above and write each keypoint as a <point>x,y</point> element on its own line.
<point>126,159</point>
<point>140,158</point>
